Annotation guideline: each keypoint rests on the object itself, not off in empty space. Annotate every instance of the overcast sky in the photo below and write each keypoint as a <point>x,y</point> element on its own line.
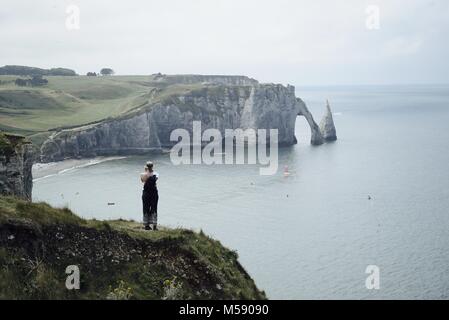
<point>314,42</point>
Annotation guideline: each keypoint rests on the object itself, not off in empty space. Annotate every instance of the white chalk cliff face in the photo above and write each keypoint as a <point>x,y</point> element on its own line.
<point>327,126</point>
<point>219,102</point>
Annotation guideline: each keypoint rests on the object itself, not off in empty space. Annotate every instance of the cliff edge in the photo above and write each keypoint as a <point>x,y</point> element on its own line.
<point>115,259</point>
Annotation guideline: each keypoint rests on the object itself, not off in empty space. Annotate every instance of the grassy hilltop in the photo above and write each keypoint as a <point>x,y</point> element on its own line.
<point>68,101</point>
<point>117,259</point>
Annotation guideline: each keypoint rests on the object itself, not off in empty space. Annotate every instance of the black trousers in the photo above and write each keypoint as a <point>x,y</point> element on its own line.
<point>149,201</point>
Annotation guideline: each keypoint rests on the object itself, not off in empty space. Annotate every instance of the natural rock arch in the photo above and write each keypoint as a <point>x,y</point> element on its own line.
<point>326,131</point>
<point>316,137</point>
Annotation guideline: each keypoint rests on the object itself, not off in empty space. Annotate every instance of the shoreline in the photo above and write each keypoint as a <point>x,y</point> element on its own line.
<point>46,170</point>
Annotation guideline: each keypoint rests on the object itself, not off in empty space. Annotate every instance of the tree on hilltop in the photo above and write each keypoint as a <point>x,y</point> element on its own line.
<point>107,72</point>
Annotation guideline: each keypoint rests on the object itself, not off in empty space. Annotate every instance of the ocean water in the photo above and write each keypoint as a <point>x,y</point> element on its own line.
<point>311,235</point>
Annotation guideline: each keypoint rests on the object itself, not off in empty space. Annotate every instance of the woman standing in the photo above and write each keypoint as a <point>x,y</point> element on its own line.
<point>150,196</point>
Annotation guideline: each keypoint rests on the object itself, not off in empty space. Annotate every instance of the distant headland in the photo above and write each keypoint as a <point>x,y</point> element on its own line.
<point>71,116</point>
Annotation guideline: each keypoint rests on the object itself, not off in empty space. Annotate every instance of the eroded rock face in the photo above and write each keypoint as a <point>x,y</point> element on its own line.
<point>16,160</point>
<point>327,126</point>
<point>219,106</point>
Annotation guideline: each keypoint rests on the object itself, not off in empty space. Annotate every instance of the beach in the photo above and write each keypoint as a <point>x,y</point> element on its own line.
<point>45,170</point>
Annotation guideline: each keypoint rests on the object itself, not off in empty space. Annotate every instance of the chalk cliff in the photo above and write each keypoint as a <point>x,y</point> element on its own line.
<point>221,102</point>
<point>16,160</point>
<point>327,126</point>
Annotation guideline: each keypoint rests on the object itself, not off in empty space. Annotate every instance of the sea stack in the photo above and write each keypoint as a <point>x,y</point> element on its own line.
<point>327,126</point>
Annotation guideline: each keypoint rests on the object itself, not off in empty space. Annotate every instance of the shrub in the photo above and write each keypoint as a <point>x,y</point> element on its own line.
<point>172,290</point>
<point>122,292</point>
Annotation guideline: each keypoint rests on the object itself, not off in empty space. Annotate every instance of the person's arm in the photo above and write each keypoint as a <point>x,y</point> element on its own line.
<point>144,177</point>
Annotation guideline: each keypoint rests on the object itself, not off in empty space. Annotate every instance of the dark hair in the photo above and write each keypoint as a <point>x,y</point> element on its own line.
<point>149,165</point>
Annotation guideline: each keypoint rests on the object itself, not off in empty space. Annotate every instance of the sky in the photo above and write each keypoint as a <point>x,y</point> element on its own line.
<point>314,42</point>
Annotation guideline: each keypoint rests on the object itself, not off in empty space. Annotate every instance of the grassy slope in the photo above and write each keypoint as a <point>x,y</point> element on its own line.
<point>67,101</point>
<point>117,259</point>
<point>74,101</point>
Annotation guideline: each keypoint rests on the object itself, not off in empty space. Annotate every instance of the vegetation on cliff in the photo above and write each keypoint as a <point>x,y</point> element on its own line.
<point>5,145</point>
<point>32,71</point>
<point>117,259</point>
<point>9,142</point>
<point>65,101</point>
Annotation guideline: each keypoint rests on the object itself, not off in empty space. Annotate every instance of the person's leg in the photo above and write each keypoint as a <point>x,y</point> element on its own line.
<point>146,212</point>
<point>153,218</point>
<point>153,212</point>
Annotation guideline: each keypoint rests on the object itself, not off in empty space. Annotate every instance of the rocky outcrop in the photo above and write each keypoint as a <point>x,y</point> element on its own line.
<point>216,105</point>
<point>16,160</point>
<point>327,126</point>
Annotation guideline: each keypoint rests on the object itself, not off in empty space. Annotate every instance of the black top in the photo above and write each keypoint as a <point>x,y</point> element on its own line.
<point>150,184</point>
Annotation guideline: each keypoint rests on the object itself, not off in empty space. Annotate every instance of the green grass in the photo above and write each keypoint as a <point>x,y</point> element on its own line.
<point>67,101</point>
<point>36,213</point>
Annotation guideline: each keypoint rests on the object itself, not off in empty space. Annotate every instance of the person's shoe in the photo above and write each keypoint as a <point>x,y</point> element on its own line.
<point>147,228</point>
<point>155,227</point>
